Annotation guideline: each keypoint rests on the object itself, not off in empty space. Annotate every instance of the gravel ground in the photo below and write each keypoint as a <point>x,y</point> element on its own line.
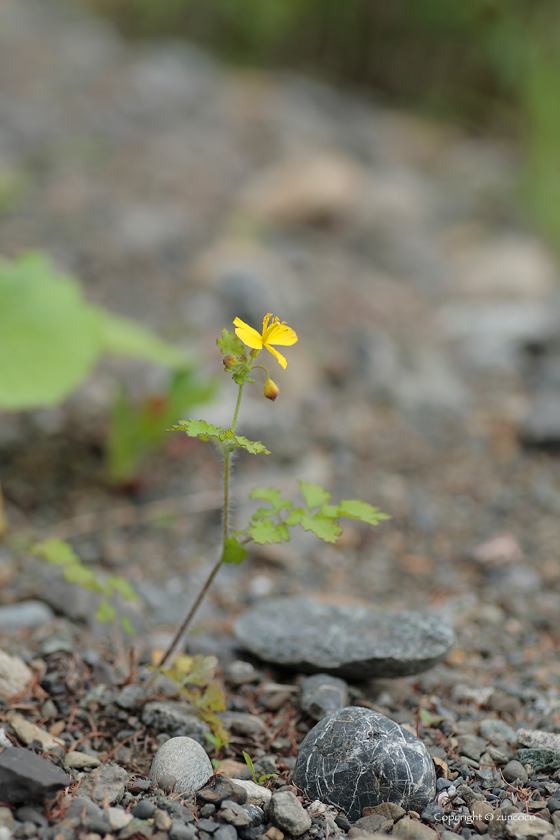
<point>424,381</point>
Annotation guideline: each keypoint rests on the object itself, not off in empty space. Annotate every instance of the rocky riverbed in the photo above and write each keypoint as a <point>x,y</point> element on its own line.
<point>425,381</point>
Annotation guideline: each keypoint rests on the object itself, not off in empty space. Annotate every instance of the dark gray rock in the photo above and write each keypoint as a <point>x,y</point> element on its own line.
<point>180,831</point>
<point>322,694</point>
<point>226,832</point>
<point>26,777</point>
<point>219,789</point>
<point>286,812</point>
<point>357,758</point>
<point>346,641</point>
<point>539,759</point>
<point>25,614</point>
<point>234,814</point>
<point>172,718</point>
<point>184,759</point>
<point>144,810</point>
<point>513,771</point>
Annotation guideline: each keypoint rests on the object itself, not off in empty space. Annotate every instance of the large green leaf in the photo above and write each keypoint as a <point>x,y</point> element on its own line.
<point>126,338</point>
<point>49,336</point>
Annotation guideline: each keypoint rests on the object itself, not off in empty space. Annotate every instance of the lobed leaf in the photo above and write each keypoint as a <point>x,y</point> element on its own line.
<point>233,551</point>
<point>267,532</point>
<point>206,431</point>
<point>324,527</point>
<point>229,343</point>
<point>356,509</point>
<point>313,494</point>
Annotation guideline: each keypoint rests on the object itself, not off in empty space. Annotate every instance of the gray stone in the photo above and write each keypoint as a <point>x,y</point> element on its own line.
<point>539,759</point>
<point>89,814</point>
<point>538,739</point>
<point>410,829</point>
<point>171,717</point>
<point>26,777</point>
<point>357,758</point>
<point>234,814</point>
<point>527,825</point>
<point>15,675</point>
<point>241,723</point>
<point>514,770</point>
<point>131,696</point>
<point>25,614</point>
<point>106,784</point>
<point>180,831</point>
<point>346,641</point>
<point>322,694</point>
<point>471,746</point>
<point>226,832</point>
<point>286,812</point>
<point>374,823</point>
<point>541,426</point>
<point>497,731</point>
<point>184,759</point>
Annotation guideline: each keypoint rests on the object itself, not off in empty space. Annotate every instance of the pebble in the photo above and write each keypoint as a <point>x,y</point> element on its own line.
<point>240,673</point>
<point>180,831</point>
<point>410,829</point>
<point>286,812</point>
<point>106,784</point>
<point>515,770</point>
<point>117,818</point>
<point>15,675</point>
<point>185,760</point>
<point>497,731</point>
<point>256,794</point>
<point>25,614</point>
<point>29,732</point>
<point>234,813</point>
<point>346,641</point>
<point>322,694</point>
<point>537,739</point>
<point>357,758</point>
<point>219,789</point>
<point>80,761</point>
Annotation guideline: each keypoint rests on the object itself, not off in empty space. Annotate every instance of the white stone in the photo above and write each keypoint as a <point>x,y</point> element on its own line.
<point>28,732</point>
<point>80,761</point>
<point>15,675</point>
<point>185,760</point>
<point>256,794</point>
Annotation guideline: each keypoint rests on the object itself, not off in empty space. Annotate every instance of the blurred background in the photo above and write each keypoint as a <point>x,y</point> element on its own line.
<point>488,65</point>
<point>385,177</point>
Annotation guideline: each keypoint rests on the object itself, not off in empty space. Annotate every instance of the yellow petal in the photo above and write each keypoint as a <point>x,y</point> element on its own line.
<point>278,355</point>
<point>248,335</point>
<point>280,334</point>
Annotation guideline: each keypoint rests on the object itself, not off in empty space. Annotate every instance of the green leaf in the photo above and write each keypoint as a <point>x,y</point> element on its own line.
<point>126,338</point>
<point>202,671</point>
<point>266,531</point>
<point>356,509</point>
<point>127,626</point>
<point>313,494</point>
<point>206,431</point>
<point>116,583</point>
<point>229,343</point>
<point>105,613</point>
<point>266,494</point>
<point>255,447</point>
<point>295,516</point>
<point>84,577</point>
<point>55,551</point>
<point>250,765</point>
<point>49,335</point>
<point>233,551</point>
<point>322,526</point>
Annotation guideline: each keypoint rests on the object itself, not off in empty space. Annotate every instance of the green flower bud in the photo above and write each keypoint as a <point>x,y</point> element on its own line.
<point>230,361</point>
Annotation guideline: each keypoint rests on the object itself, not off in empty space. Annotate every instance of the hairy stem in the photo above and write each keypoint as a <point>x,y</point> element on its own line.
<point>200,597</point>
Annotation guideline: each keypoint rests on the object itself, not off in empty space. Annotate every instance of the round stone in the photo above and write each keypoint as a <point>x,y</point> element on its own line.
<point>357,758</point>
<point>346,641</point>
<point>184,759</point>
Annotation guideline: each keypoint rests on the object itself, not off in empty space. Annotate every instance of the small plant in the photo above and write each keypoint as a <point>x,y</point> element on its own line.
<point>108,588</point>
<point>138,428</point>
<point>269,524</point>
<point>263,777</point>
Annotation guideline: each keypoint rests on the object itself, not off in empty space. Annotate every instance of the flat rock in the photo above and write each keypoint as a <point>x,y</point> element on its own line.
<point>357,758</point>
<point>538,739</point>
<point>346,641</point>
<point>186,760</point>
<point>25,777</point>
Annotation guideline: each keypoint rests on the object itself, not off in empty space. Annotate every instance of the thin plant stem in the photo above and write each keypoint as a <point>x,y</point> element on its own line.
<point>216,568</point>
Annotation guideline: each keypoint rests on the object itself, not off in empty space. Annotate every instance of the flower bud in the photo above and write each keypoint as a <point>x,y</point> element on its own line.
<point>229,361</point>
<point>271,390</point>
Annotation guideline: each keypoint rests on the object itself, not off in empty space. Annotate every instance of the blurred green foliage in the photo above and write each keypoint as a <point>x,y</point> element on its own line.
<point>483,62</point>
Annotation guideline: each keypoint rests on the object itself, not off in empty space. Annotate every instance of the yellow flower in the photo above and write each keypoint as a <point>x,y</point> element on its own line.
<point>272,333</point>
